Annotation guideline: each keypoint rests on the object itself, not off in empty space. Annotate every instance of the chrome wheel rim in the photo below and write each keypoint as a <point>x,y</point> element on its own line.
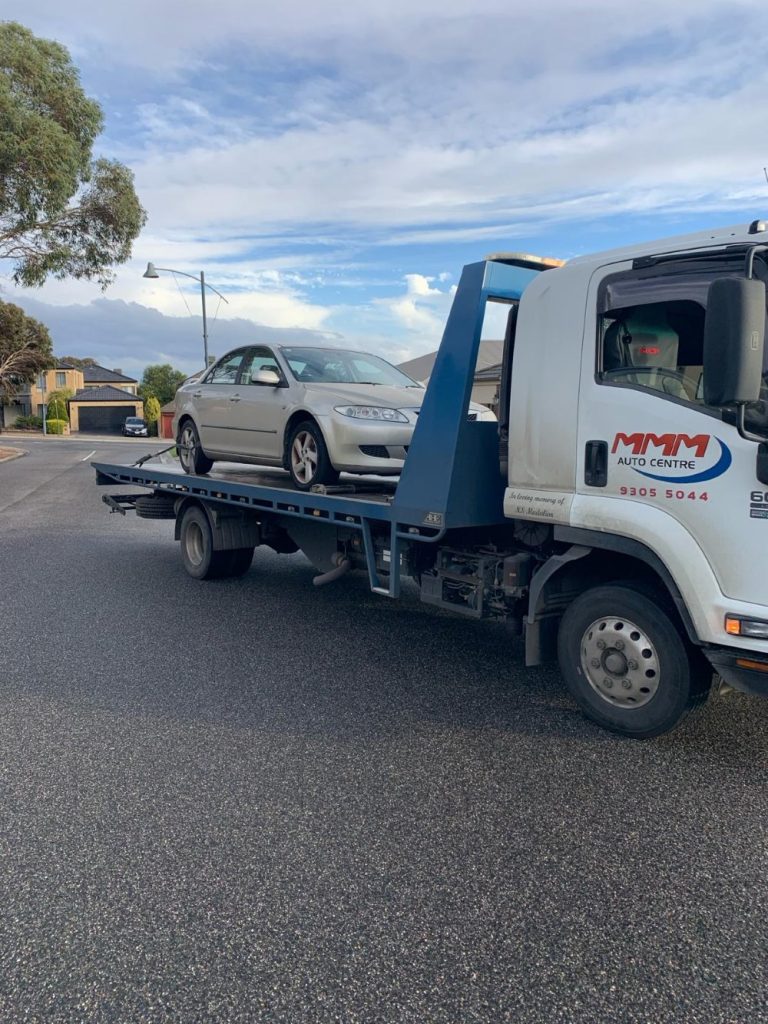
<point>304,457</point>
<point>187,447</point>
<point>620,662</point>
<point>194,542</point>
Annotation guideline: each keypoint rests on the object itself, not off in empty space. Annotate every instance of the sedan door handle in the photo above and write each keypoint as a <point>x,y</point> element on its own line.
<point>234,398</point>
<point>197,394</point>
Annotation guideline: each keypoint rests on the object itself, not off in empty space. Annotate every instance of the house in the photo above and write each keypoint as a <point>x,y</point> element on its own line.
<point>103,400</point>
<point>485,388</point>
<point>100,402</point>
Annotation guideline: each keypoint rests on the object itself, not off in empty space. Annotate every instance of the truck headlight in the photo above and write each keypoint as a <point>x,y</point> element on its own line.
<point>372,412</point>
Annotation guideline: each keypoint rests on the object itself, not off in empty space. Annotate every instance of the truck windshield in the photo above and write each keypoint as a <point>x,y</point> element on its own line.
<point>340,366</point>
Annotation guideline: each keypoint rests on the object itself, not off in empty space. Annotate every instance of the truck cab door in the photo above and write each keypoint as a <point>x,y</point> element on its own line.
<point>655,464</point>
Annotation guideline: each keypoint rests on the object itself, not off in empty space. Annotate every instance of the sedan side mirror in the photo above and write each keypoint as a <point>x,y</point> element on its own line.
<point>270,378</point>
<point>734,337</point>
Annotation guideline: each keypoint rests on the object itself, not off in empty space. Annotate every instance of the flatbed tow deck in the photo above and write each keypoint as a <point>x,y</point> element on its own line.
<point>250,503</point>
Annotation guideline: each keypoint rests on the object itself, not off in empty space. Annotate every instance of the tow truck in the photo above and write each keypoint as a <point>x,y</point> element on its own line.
<point>616,515</point>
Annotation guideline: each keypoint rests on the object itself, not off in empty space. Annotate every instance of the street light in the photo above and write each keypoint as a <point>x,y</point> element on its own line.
<point>152,271</point>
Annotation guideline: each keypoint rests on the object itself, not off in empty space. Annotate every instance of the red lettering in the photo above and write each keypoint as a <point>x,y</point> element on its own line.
<point>700,443</point>
<point>670,444</point>
<point>664,441</point>
<point>633,441</point>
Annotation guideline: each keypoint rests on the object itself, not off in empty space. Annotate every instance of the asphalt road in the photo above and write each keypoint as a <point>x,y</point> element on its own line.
<point>258,801</point>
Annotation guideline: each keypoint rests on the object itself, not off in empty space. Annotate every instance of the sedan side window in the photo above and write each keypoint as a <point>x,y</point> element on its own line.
<point>226,371</point>
<point>259,359</point>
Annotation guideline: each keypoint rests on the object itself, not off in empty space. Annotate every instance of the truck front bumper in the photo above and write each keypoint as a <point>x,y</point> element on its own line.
<point>743,670</point>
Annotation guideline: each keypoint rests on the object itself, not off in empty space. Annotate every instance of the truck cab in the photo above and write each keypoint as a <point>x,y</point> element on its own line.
<point>621,439</point>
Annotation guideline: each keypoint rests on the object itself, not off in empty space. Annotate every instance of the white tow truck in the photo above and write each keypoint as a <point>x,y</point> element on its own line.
<point>617,513</point>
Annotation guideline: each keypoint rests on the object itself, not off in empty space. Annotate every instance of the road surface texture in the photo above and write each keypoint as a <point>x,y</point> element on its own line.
<point>258,801</point>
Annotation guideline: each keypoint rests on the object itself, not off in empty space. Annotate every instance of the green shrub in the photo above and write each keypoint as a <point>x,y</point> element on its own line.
<point>28,423</point>
<point>56,426</point>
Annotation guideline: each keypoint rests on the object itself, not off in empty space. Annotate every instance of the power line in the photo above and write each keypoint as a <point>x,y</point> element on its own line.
<point>181,293</point>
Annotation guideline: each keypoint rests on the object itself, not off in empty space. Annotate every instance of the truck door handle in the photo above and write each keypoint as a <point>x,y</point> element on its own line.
<point>234,398</point>
<point>596,464</point>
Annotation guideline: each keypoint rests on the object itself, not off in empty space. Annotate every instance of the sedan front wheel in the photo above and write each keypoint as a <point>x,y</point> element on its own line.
<point>308,459</point>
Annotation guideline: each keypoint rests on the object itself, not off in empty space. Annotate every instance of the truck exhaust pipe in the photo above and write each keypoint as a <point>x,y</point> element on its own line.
<point>342,567</point>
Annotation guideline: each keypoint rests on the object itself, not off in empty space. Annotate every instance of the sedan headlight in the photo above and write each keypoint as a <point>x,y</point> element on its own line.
<point>372,412</point>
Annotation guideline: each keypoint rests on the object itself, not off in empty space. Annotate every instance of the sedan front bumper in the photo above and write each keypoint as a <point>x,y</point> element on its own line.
<point>365,446</point>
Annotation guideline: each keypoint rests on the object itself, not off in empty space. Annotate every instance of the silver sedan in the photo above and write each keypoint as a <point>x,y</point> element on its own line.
<point>313,411</point>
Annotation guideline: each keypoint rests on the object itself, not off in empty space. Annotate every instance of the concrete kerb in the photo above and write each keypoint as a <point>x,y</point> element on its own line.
<point>7,454</point>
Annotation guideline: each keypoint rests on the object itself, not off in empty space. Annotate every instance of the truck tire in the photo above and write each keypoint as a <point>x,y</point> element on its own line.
<point>308,459</point>
<point>191,455</point>
<point>627,664</point>
<point>197,554</point>
<point>239,561</point>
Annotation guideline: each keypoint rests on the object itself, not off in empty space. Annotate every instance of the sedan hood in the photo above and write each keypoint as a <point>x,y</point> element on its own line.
<point>329,395</point>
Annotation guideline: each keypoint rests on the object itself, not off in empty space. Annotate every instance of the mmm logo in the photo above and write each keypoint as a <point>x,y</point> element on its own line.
<point>670,444</point>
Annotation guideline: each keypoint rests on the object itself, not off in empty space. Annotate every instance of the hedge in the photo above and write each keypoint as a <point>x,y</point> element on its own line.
<point>28,423</point>
<point>56,426</point>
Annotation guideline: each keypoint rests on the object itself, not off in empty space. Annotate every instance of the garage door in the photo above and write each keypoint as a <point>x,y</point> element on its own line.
<point>104,419</point>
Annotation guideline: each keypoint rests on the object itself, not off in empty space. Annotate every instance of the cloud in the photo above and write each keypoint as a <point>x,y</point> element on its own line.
<point>129,335</point>
<point>422,309</point>
<point>291,157</point>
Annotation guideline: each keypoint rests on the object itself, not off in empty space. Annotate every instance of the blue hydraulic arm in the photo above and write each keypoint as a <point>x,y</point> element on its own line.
<point>451,476</point>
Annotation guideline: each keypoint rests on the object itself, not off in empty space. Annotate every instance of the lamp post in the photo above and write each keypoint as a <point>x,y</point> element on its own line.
<point>152,272</point>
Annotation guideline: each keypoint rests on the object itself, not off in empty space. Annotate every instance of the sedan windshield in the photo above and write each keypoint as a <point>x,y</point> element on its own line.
<point>340,366</point>
<point>132,421</point>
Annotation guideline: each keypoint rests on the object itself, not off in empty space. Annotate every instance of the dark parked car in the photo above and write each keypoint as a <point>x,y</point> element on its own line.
<point>134,426</point>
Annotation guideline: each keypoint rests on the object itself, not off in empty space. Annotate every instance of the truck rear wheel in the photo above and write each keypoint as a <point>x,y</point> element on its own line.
<point>627,664</point>
<point>197,553</point>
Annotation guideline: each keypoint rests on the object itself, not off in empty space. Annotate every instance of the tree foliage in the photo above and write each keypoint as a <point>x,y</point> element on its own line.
<point>161,381</point>
<point>56,405</point>
<point>77,362</point>
<point>25,349</point>
<point>152,412</point>
<point>62,212</point>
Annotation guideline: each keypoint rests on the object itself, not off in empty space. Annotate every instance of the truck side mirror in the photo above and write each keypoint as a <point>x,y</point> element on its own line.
<point>267,377</point>
<point>734,336</point>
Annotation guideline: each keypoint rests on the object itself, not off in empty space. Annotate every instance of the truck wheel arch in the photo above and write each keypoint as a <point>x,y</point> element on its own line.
<point>585,560</point>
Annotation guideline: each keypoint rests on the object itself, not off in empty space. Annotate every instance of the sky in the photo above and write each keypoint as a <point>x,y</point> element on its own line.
<point>331,167</point>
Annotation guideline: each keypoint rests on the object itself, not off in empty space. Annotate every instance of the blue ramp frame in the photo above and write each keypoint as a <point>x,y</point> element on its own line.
<point>451,476</point>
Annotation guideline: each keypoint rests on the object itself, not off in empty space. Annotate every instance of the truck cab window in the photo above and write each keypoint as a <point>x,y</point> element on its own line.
<point>658,346</point>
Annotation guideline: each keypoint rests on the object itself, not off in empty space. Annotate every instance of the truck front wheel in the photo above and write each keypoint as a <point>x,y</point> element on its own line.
<point>197,553</point>
<point>627,664</point>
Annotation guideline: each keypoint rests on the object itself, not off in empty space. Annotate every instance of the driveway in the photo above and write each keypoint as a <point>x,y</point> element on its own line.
<point>256,801</point>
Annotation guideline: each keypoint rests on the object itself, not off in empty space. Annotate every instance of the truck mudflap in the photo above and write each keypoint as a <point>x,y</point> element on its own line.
<point>746,671</point>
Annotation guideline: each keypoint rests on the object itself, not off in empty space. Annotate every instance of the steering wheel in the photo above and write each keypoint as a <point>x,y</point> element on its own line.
<point>632,371</point>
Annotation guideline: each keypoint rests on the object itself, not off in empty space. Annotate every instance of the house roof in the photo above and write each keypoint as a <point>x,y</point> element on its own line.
<point>62,364</point>
<point>489,372</point>
<point>101,375</point>
<point>105,394</point>
<point>490,353</point>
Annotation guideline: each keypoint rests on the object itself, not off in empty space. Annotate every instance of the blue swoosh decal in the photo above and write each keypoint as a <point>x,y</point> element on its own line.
<point>722,464</point>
